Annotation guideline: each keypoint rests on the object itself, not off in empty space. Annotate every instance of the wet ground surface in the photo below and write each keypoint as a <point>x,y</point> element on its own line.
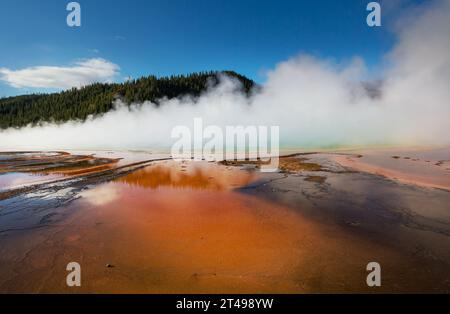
<point>430,168</point>
<point>201,227</point>
<point>412,220</point>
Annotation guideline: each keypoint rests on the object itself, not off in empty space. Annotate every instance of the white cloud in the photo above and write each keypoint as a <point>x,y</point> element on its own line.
<point>81,73</point>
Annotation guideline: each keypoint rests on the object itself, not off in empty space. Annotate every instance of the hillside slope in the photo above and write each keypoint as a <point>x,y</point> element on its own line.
<point>96,99</point>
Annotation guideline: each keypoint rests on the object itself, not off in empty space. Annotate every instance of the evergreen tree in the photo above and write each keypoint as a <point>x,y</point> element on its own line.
<point>98,98</point>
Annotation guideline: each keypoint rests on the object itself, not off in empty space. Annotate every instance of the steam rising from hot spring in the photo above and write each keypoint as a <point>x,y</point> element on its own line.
<point>315,103</point>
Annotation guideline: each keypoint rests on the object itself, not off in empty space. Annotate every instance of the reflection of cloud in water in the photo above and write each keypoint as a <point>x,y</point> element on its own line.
<point>102,195</point>
<point>16,179</point>
<point>187,175</point>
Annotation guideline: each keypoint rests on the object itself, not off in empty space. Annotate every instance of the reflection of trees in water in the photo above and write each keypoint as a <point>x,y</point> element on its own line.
<point>192,177</point>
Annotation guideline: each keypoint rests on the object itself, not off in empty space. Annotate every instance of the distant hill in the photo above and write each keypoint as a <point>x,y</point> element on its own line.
<point>96,99</point>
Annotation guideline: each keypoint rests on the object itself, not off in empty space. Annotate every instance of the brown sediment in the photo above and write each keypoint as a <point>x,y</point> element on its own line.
<point>239,163</point>
<point>291,163</point>
<point>442,162</point>
<point>54,163</point>
<point>316,179</point>
<point>296,164</point>
<point>408,172</point>
<point>78,169</point>
<point>78,177</point>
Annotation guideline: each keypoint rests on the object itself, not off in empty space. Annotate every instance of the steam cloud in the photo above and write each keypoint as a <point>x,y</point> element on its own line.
<point>316,103</point>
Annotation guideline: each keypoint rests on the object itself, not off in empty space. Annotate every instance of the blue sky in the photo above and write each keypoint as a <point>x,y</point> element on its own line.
<point>167,37</point>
